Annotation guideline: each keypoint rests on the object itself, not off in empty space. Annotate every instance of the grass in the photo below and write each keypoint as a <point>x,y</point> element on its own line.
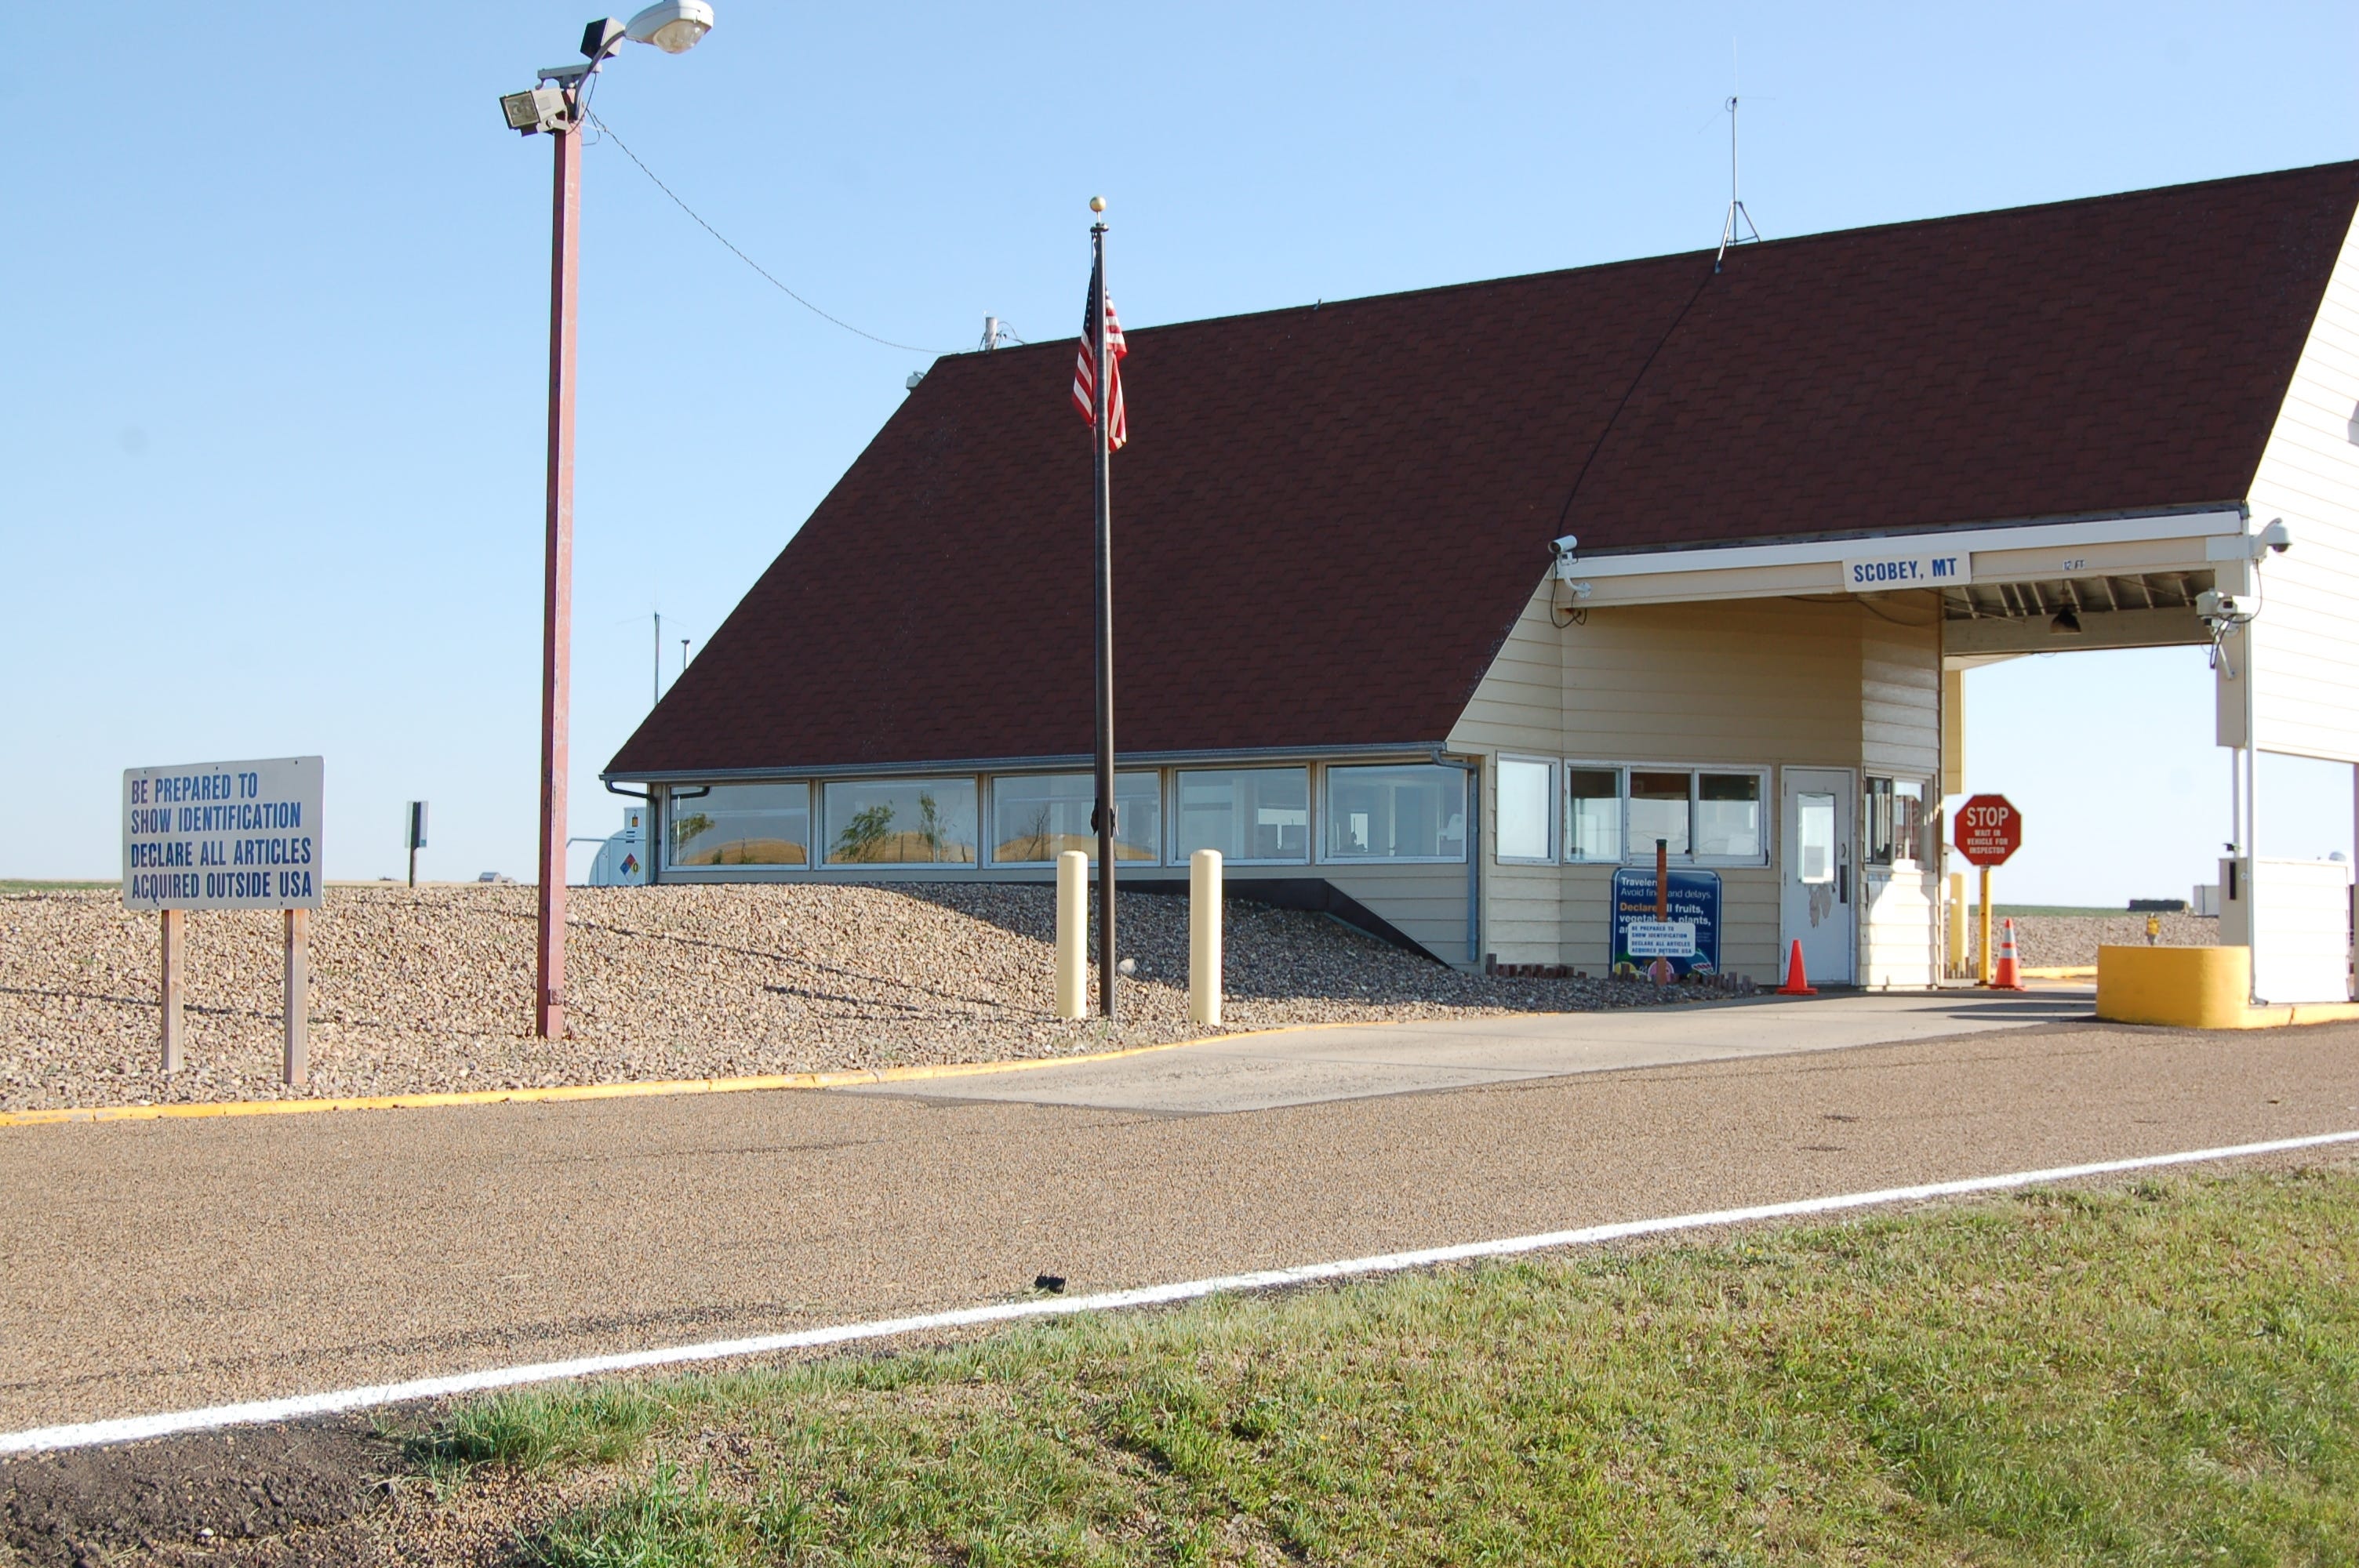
<point>35,885</point>
<point>2163,1374</point>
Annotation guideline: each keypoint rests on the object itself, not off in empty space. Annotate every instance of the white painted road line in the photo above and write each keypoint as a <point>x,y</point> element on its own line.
<point>129,1429</point>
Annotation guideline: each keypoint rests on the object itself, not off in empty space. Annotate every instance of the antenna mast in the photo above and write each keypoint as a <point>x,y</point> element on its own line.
<point>1729,233</point>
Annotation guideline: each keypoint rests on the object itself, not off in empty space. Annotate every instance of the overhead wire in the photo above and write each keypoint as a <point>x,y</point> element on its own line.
<point>1579,616</point>
<point>606,133</point>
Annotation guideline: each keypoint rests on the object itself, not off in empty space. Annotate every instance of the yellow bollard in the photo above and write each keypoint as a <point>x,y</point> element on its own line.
<point>1983,966</point>
<point>1073,934</point>
<point>1957,924</point>
<point>1204,939</point>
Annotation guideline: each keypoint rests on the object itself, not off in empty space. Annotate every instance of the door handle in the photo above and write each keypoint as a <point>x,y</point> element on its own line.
<point>1842,884</point>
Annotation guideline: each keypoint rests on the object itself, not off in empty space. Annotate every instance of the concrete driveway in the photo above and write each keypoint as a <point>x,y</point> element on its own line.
<point>1307,1066</point>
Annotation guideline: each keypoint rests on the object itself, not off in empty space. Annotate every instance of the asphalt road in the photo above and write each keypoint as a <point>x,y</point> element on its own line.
<point>152,1266</point>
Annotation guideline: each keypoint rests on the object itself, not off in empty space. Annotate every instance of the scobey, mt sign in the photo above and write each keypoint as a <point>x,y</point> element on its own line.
<point>222,836</point>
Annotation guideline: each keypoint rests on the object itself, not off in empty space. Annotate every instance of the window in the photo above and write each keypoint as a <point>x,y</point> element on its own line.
<point>1592,813</point>
<point>1703,815</point>
<point>1814,826</point>
<point>900,822</point>
<point>1035,817</point>
<point>1895,821</point>
<point>1416,811</point>
<point>742,825</point>
<point>1523,819</point>
<point>1247,814</point>
<point>1728,817</point>
<point>1659,811</point>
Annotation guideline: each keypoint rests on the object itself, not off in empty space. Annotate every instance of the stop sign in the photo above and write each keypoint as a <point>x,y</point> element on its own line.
<point>1989,830</point>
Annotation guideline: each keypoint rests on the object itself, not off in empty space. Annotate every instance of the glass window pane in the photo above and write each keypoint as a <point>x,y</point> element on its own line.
<point>1247,814</point>
<point>1523,810</point>
<point>1037,816</point>
<point>1907,821</point>
<point>1814,838</point>
<point>1592,819</point>
<point>1728,814</point>
<point>1416,811</point>
<point>1659,809</point>
<point>742,825</point>
<point>900,822</point>
<point>1879,822</point>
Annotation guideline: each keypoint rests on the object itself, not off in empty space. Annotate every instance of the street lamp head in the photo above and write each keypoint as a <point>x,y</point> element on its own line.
<point>672,25</point>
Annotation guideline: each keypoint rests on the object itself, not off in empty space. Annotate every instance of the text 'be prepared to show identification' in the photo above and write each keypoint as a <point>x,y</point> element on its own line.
<point>222,836</point>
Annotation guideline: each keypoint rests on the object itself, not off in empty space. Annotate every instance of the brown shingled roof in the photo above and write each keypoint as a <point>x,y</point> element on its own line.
<point>1328,517</point>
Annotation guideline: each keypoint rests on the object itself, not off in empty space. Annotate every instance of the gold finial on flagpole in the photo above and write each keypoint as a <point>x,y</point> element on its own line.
<point>1097,203</point>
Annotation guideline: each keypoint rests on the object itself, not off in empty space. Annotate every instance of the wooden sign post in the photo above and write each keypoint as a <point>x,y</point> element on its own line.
<point>226,836</point>
<point>175,944</point>
<point>296,1068</point>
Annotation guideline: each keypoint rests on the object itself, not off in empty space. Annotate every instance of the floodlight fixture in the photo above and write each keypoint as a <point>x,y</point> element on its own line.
<point>535,109</point>
<point>671,26</point>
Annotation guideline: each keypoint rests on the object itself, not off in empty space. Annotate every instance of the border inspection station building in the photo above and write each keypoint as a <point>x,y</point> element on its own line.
<point>1440,611</point>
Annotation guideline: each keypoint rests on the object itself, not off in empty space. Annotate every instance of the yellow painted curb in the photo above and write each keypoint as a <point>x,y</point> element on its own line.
<point>2061,972</point>
<point>849,1077</point>
<point>2277,1016</point>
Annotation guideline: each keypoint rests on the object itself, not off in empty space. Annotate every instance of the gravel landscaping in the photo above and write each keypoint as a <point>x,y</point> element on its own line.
<point>2044,941</point>
<point>429,989</point>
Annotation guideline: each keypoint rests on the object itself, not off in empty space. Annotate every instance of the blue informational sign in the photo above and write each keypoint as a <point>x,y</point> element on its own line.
<point>1686,943</point>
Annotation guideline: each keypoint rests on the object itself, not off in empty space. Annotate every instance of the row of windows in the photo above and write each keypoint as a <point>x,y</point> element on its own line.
<point>1251,816</point>
<point>1612,812</point>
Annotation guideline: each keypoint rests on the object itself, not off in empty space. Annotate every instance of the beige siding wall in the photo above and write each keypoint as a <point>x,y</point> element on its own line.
<point>1900,737</point>
<point>2306,642</point>
<point>1427,902</point>
<point>1777,683</point>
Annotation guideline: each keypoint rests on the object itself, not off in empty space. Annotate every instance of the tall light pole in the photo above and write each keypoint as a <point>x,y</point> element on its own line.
<point>557,106</point>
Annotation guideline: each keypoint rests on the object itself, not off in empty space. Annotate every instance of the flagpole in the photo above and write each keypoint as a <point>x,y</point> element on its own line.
<point>1100,434</point>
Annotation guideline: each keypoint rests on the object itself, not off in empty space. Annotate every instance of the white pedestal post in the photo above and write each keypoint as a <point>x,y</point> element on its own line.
<point>1204,939</point>
<point>1073,934</point>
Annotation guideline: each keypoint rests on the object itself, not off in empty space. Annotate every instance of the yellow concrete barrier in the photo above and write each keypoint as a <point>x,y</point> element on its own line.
<point>2197,988</point>
<point>2186,988</point>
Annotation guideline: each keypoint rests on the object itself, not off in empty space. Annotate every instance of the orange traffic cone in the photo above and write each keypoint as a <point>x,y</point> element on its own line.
<point>1798,979</point>
<point>2009,978</point>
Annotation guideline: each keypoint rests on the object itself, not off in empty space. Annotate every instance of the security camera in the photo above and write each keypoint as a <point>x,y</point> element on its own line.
<point>2276,537</point>
<point>2214,606</point>
<point>1565,545</point>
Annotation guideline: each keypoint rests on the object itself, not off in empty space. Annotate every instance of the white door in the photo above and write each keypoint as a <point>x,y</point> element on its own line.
<point>1817,891</point>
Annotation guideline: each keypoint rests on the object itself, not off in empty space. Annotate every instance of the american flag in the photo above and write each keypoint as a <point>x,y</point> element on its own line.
<point>1085,373</point>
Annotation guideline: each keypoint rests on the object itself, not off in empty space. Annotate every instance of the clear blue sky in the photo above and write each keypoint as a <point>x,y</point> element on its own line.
<point>270,468</point>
